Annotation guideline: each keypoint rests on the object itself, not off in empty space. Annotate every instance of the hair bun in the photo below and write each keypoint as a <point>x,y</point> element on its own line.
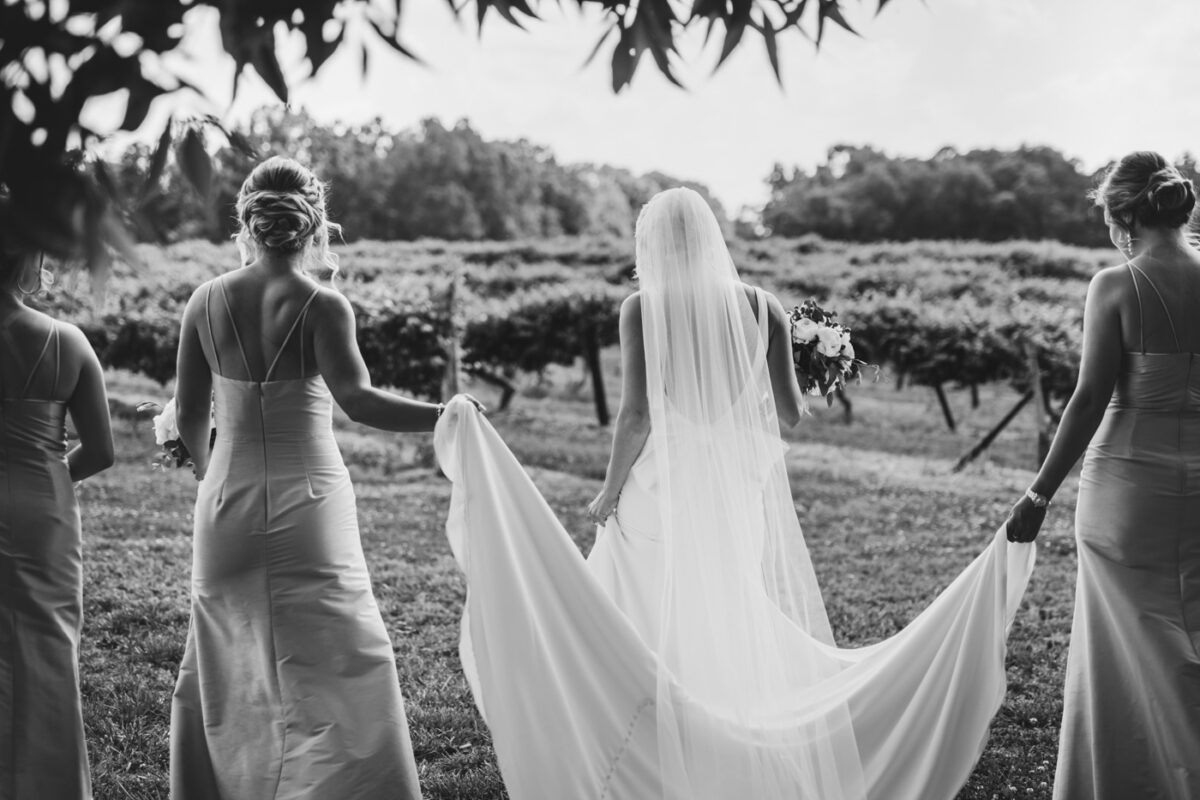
<point>280,220</point>
<point>1169,191</point>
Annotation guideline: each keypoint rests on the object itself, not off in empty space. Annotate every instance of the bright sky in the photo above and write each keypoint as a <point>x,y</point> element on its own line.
<point>1093,78</point>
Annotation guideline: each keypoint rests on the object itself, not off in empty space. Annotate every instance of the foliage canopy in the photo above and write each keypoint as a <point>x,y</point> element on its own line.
<point>56,55</point>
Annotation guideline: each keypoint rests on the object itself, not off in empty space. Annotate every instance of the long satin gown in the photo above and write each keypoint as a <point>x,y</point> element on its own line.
<point>43,754</point>
<point>288,686</point>
<point>1131,715</point>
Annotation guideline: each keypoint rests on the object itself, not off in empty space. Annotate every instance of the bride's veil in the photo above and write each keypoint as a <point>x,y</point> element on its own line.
<point>744,637</point>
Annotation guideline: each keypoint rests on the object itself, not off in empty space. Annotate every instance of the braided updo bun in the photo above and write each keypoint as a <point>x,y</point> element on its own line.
<point>281,207</point>
<point>1144,189</point>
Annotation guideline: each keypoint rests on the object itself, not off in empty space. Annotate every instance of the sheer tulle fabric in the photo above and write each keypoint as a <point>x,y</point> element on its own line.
<point>723,631</point>
<point>701,665</point>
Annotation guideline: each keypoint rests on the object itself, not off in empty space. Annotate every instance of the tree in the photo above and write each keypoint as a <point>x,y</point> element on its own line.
<point>861,194</point>
<point>56,56</point>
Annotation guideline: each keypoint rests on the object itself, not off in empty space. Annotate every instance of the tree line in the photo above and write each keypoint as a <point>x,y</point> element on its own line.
<point>431,180</point>
<point>449,182</point>
<point>861,194</point>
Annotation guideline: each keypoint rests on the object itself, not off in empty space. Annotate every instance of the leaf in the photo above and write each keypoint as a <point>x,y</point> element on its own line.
<point>831,9</point>
<point>624,61</point>
<point>239,142</point>
<point>733,34</point>
<point>393,43</point>
<point>158,161</point>
<point>768,34</point>
<point>266,64</point>
<point>195,162</point>
<point>602,40</point>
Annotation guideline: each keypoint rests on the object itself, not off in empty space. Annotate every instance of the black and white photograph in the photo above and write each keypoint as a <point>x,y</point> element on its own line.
<point>599,400</point>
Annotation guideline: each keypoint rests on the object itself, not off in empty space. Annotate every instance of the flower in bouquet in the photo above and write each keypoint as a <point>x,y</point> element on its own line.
<point>166,435</point>
<point>822,351</point>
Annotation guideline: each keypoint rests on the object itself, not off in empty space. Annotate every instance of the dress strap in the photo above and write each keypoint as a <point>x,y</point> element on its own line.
<point>212,340</point>
<point>236,335</point>
<point>296,323</point>
<point>37,362</point>
<point>1163,302</point>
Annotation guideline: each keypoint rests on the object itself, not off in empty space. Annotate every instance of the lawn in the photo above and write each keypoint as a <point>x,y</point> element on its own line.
<point>887,522</point>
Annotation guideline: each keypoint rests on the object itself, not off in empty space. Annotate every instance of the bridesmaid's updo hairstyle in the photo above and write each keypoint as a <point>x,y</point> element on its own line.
<point>281,207</point>
<point>1144,189</point>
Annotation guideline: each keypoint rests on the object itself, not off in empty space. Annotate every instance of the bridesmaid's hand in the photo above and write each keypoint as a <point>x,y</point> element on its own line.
<point>603,506</point>
<point>1025,520</point>
<point>480,407</point>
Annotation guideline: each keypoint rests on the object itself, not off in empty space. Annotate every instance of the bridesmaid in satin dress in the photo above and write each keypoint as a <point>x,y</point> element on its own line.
<point>47,371</point>
<point>1131,715</point>
<point>288,686</point>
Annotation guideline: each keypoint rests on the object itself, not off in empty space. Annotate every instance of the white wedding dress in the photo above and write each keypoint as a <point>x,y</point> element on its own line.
<point>690,658</point>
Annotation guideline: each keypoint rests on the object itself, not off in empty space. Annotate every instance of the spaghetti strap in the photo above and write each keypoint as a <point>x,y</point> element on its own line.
<point>287,339</point>
<point>37,362</point>
<point>236,335</point>
<point>212,340</point>
<point>1163,302</point>
<point>1141,313</point>
<point>303,322</point>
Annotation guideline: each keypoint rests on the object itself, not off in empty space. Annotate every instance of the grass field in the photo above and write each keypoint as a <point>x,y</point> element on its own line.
<point>887,523</point>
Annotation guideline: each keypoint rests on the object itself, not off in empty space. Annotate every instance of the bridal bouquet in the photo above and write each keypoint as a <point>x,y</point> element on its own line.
<point>822,351</point>
<point>166,435</point>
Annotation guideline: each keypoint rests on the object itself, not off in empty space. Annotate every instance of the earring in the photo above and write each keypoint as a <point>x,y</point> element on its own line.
<point>1127,247</point>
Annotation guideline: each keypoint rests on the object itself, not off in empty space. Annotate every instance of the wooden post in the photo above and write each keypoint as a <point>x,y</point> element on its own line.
<point>591,354</point>
<point>946,412</point>
<point>974,395</point>
<point>986,442</point>
<point>452,344</point>
<point>1039,405</point>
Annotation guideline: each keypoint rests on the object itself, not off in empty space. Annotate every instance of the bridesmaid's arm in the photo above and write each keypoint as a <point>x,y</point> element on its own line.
<point>193,388</point>
<point>341,365</point>
<point>88,407</point>
<point>633,420</point>
<point>1098,369</point>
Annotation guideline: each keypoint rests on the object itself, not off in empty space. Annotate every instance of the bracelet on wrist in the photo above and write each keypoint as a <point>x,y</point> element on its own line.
<point>1039,500</point>
<point>440,408</point>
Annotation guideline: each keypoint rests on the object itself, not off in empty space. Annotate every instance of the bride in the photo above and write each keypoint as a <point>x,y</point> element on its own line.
<point>691,656</point>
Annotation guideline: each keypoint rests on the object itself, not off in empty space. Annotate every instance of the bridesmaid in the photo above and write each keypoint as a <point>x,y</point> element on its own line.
<point>47,370</point>
<point>288,686</point>
<point>1131,715</point>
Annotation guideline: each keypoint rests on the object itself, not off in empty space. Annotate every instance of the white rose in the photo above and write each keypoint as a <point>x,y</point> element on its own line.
<point>165,427</point>
<point>829,341</point>
<point>804,331</point>
<point>847,348</point>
